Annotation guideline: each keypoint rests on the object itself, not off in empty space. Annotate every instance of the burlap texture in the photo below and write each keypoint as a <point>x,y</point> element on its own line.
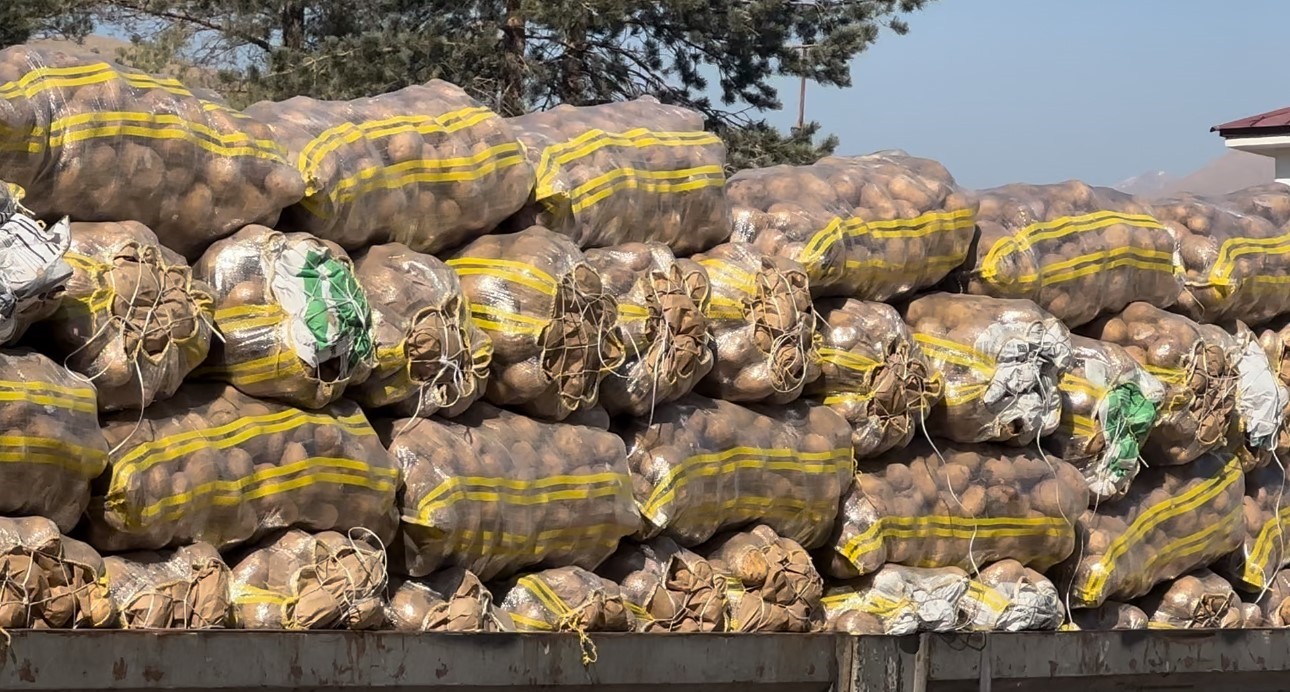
<point>50,581</point>
<point>668,588</point>
<point>771,583</point>
<point>450,600</point>
<point>186,588</point>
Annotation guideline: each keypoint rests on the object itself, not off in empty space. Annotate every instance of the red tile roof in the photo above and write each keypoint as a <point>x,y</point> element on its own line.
<point>1278,119</point>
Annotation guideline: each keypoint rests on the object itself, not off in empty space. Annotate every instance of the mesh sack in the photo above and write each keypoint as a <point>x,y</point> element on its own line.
<point>214,465</point>
<point>1234,265</point>
<point>1010,597</point>
<point>763,326</point>
<point>701,466</point>
<point>431,358</point>
<point>626,172</point>
<point>771,584</point>
<point>549,317</point>
<point>1111,615</point>
<point>668,588</point>
<point>873,373</point>
<point>662,324</point>
<point>956,506</point>
<point>50,444</point>
<point>1109,405</point>
<point>869,227</point>
<point>102,142</point>
<point>1076,251</point>
<point>1266,515</point>
<point>1200,600</point>
<point>1276,346</point>
<point>1270,201</point>
<point>1198,376</point>
<point>50,581</point>
<point>294,323</point>
<point>1173,519</point>
<point>1000,361</point>
<point>901,600</point>
<point>1274,602</point>
<point>303,581</point>
<point>33,273</point>
<point>426,166</point>
<point>496,492</point>
<point>186,588</point>
<point>1260,398</point>
<point>450,600</point>
<point>567,599</point>
<point>134,319</point>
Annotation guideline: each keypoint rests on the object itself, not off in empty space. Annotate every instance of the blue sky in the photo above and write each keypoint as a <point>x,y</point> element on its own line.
<point>1040,91</point>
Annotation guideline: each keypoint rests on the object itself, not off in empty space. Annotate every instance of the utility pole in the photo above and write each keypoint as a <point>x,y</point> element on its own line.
<point>801,94</point>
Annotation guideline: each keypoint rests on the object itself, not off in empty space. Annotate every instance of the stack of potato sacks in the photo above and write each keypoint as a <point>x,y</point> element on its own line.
<point>401,363</point>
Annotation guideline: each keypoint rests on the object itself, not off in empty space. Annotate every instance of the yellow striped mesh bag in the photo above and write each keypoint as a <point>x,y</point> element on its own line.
<point>1235,265</point>
<point>426,166</point>
<point>134,321</point>
<point>1010,597</point>
<point>212,464</point>
<point>1199,600</point>
<point>50,446</point>
<point>662,323</point>
<point>870,227</point>
<point>102,142</point>
<point>1000,361</point>
<point>873,373</point>
<point>626,172</point>
<point>763,326</point>
<point>549,317</point>
<point>567,599</point>
<point>496,492</point>
<point>1109,407</point>
<point>952,505</point>
<point>431,357</point>
<point>1174,519</point>
<point>1199,376</point>
<point>293,322</point>
<point>1266,515</point>
<point>701,466</point>
<point>1077,251</point>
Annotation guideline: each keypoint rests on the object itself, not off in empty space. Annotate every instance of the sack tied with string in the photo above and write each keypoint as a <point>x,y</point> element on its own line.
<point>1173,519</point>
<point>1234,264</point>
<point>668,588</point>
<point>763,326</point>
<point>1076,251</point>
<point>303,581</point>
<point>1007,596</point>
<point>50,445</point>
<point>426,166</point>
<point>294,324</point>
<point>950,505</point>
<point>551,321</point>
<point>701,466</point>
<point>431,358</point>
<point>1275,341</point>
<point>33,273</point>
<point>873,373</point>
<point>626,172</point>
<point>496,492</point>
<point>1259,413</point>
<point>50,581</point>
<point>1198,375</point>
<point>566,599</point>
<point>1109,406</point>
<point>183,589</point>
<point>771,583</point>
<point>212,464</point>
<point>1274,603</point>
<point>662,323</point>
<point>98,141</point>
<point>1265,550</point>
<point>869,227</point>
<point>897,600</point>
<point>1111,615</point>
<point>1199,600</point>
<point>134,320</point>
<point>1000,361</point>
<point>450,600</point>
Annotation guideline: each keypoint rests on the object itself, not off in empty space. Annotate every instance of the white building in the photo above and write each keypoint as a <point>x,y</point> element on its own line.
<point>1267,134</point>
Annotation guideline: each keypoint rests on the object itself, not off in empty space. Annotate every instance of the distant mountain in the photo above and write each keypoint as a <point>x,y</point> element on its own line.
<point>1234,170</point>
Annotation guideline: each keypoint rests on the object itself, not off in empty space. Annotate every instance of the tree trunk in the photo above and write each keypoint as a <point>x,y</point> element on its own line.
<point>293,24</point>
<point>510,99</point>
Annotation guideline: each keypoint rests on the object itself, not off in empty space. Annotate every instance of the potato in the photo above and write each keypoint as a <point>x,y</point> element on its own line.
<point>267,470</point>
<point>1199,600</point>
<point>1150,535</point>
<point>1263,552</point>
<point>868,227</point>
<point>786,599</point>
<point>187,588</point>
<point>594,604</point>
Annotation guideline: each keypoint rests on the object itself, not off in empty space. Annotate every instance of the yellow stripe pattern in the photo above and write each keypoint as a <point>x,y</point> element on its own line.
<point>1271,535</point>
<point>891,528</point>
<point>847,231</point>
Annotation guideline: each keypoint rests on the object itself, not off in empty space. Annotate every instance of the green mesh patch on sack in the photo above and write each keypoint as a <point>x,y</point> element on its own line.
<point>1129,417</point>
